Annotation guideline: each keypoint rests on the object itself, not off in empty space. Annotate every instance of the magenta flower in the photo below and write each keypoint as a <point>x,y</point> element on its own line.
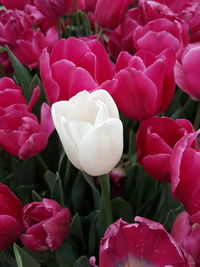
<point>187,73</point>
<point>10,217</point>
<point>74,65</point>
<point>155,140</point>
<point>143,85</point>
<point>184,170</point>
<point>113,15</point>
<point>14,4</point>
<point>186,231</point>
<point>143,243</point>
<point>164,33</point>
<point>46,225</point>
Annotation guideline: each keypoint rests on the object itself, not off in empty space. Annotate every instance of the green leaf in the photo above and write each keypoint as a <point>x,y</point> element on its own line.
<point>23,258</point>
<point>93,238</point>
<point>57,191</point>
<point>24,171</point>
<point>82,262</point>
<point>6,259</point>
<point>66,255</point>
<point>22,74</point>
<point>122,209</point>
<point>78,193</point>
<point>76,233</point>
<point>96,195</point>
<point>36,196</point>
<point>50,178</point>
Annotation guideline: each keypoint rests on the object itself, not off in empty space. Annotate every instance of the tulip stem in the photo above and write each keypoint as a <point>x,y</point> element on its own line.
<point>77,16</point>
<point>104,181</point>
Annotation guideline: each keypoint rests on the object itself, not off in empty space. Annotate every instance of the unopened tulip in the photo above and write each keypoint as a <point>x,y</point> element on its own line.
<point>155,140</point>
<point>10,217</point>
<point>46,225</point>
<point>143,243</point>
<point>187,72</point>
<point>90,131</point>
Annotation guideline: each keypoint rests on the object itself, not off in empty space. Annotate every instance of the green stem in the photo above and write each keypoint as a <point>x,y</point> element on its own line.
<point>104,181</point>
<point>77,16</point>
<point>197,118</point>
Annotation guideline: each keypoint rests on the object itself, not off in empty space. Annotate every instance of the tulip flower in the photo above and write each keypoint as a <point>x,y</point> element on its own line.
<point>143,243</point>
<point>20,133</point>
<point>61,78</point>
<point>187,73</point>
<point>184,171</point>
<point>186,231</point>
<point>155,140</point>
<point>46,225</point>
<point>166,33</point>
<point>90,131</point>
<point>10,217</point>
<point>143,85</point>
<point>113,15</point>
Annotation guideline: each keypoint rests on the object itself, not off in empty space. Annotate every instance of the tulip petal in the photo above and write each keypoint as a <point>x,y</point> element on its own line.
<point>101,149</point>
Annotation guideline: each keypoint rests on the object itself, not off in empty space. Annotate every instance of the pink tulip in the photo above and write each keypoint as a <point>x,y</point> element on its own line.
<point>186,231</point>
<point>12,24</point>
<point>143,85</point>
<point>155,140</point>
<point>10,217</point>
<point>90,4</point>
<point>164,33</point>
<point>30,40</point>
<point>20,133</point>
<point>187,72</point>
<point>113,15</point>
<point>184,170</point>
<point>143,243</point>
<point>51,8</point>
<point>74,65</point>
<point>46,225</point>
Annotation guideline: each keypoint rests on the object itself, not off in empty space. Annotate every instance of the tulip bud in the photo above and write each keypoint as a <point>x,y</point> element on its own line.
<point>90,131</point>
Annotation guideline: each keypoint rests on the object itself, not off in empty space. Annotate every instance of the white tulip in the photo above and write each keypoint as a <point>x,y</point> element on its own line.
<point>90,131</point>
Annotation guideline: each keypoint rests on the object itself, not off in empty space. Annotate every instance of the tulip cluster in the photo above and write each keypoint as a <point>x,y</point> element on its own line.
<point>119,83</point>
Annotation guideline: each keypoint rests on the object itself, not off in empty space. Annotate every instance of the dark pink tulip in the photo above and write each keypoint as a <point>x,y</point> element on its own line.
<point>10,217</point>
<point>187,72</point>
<point>186,231</point>
<point>14,4</point>
<point>30,40</point>
<point>73,66</point>
<point>12,24</point>
<point>51,8</point>
<point>184,170</point>
<point>155,140</point>
<point>46,225</point>
<point>113,15</point>
<point>20,133</point>
<point>143,243</point>
<point>143,85</point>
<point>159,34</point>
<point>10,93</point>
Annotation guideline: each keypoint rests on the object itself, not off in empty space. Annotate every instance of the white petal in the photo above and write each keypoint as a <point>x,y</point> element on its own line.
<point>106,98</point>
<point>102,114</point>
<point>101,149</point>
<point>82,108</point>
<point>72,133</point>
<point>57,111</point>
